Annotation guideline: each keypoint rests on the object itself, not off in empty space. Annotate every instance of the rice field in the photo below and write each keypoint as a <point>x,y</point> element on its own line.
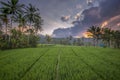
<point>60,63</point>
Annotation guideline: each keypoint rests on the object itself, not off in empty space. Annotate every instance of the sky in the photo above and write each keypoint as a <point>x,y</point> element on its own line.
<point>63,18</point>
<point>52,12</point>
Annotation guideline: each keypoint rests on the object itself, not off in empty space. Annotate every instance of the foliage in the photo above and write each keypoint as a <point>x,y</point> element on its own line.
<point>111,38</point>
<point>18,40</point>
<point>23,35</point>
<point>48,38</point>
<point>96,32</point>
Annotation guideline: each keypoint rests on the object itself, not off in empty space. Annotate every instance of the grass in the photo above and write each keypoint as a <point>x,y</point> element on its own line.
<point>60,63</point>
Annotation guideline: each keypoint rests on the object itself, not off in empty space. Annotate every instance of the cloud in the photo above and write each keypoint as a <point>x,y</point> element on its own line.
<point>65,32</point>
<point>91,16</point>
<point>110,8</point>
<point>65,18</point>
<point>77,16</point>
<point>110,12</point>
<point>61,32</point>
<point>89,2</point>
<point>113,22</point>
<point>106,14</point>
<point>78,6</point>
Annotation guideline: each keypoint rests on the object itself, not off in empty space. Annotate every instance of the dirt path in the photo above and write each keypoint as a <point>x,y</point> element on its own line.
<point>57,65</point>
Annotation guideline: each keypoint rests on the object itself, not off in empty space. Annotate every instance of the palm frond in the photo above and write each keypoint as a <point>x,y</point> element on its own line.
<point>4,4</point>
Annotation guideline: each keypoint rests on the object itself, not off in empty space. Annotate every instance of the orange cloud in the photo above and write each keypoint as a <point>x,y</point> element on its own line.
<point>87,35</point>
<point>112,22</point>
<point>104,24</point>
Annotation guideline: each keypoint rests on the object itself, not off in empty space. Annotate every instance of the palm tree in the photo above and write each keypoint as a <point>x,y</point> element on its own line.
<point>37,25</point>
<point>14,8</point>
<point>116,38</point>
<point>93,31</point>
<point>4,18</point>
<point>0,25</point>
<point>11,10</point>
<point>0,28</point>
<point>107,36</point>
<point>21,20</point>
<point>96,33</point>
<point>31,14</point>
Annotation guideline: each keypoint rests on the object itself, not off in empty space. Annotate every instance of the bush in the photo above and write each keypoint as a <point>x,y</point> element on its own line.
<point>33,41</point>
<point>18,39</point>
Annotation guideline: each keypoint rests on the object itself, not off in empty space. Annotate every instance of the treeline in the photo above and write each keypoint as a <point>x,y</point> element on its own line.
<point>109,37</point>
<point>102,37</point>
<point>19,25</point>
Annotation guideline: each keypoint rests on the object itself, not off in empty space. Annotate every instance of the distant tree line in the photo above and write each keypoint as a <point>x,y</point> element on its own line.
<point>109,37</point>
<point>103,37</point>
<point>19,25</point>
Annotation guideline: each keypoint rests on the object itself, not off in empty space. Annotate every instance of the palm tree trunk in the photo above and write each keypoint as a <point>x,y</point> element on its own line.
<point>109,43</point>
<point>36,32</point>
<point>29,33</point>
<point>11,22</point>
<point>97,42</point>
<point>11,27</point>
<point>22,30</point>
<point>6,31</point>
<point>94,42</point>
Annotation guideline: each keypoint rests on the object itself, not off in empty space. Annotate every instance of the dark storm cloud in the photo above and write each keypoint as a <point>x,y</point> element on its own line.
<point>110,8</point>
<point>107,9</point>
<point>61,32</point>
<point>91,16</point>
<point>65,32</point>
